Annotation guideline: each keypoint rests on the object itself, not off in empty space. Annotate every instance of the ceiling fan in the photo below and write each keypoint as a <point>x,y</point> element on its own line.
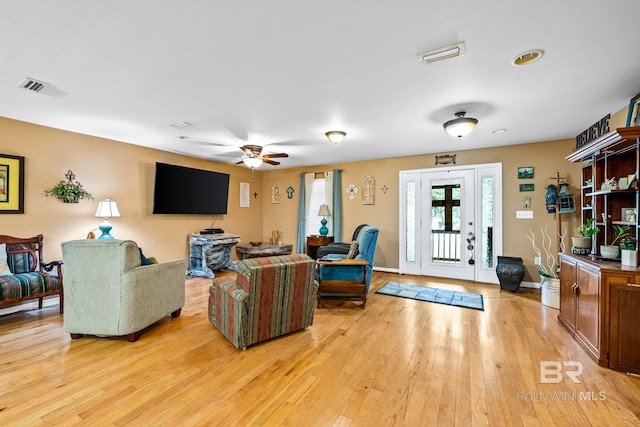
<point>255,152</point>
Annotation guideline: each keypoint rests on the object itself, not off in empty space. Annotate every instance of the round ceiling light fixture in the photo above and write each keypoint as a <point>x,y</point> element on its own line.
<point>461,125</point>
<point>528,57</point>
<point>335,136</point>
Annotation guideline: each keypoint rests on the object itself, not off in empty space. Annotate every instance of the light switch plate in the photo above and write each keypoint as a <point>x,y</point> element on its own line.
<point>524,214</point>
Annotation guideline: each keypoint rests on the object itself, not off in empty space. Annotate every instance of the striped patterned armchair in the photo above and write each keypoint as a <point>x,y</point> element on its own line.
<point>270,296</point>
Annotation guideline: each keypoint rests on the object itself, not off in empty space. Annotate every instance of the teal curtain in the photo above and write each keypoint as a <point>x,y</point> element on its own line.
<point>301,241</point>
<point>337,205</point>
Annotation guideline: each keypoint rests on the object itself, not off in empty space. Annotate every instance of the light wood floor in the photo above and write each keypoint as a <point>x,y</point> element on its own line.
<point>399,362</point>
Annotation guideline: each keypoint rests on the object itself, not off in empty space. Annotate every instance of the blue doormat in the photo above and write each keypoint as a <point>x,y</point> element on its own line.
<point>437,295</point>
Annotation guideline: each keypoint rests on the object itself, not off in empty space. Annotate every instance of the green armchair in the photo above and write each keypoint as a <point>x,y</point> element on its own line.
<point>109,292</point>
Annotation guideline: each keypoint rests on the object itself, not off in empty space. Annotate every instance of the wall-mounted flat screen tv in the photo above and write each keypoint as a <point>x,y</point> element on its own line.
<point>183,190</point>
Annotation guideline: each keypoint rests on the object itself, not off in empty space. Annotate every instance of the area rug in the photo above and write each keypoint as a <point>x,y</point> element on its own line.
<point>437,295</point>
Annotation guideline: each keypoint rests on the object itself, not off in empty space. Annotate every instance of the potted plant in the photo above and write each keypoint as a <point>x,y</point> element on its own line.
<point>629,256</point>
<point>69,192</point>
<point>613,251</point>
<point>585,234</point>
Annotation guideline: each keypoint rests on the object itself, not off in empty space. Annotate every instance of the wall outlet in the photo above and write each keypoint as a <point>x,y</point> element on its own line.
<point>537,261</point>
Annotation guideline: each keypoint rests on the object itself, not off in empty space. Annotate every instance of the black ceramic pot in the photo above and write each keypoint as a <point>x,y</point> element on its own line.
<point>510,271</point>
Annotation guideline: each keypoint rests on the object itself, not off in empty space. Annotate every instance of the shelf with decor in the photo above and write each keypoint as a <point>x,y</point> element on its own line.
<point>613,156</point>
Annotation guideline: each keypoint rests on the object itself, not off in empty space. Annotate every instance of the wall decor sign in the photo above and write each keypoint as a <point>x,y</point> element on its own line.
<point>368,190</point>
<point>525,172</point>
<point>11,184</point>
<point>633,117</point>
<point>446,159</point>
<point>526,187</point>
<point>594,131</point>
<point>275,193</point>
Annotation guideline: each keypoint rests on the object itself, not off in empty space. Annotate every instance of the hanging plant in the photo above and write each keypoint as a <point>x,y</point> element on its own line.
<point>70,191</point>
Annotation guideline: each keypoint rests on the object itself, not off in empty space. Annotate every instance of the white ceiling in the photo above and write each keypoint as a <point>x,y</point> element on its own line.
<point>281,73</point>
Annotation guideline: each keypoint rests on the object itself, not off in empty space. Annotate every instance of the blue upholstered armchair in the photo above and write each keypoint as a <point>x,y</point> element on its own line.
<point>366,249</point>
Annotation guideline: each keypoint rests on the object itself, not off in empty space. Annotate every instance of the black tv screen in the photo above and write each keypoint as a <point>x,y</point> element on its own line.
<point>183,190</point>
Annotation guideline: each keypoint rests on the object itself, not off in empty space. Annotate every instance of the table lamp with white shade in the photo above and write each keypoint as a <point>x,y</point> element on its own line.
<point>324,213</point>
<point>106,209</point>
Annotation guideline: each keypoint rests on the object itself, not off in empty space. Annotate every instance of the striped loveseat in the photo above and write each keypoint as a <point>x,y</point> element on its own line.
<point>270,296</point>
<point>23,273</point>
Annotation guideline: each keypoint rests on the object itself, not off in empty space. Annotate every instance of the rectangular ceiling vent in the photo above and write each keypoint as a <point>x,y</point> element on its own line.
<point>442,53</point>
<point>32,84</point>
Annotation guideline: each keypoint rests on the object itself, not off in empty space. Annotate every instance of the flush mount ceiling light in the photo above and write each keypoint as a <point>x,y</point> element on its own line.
<point>335,136</point>
<point>461,125</point>
<point>441,53</point>
<point>528,57</point>
<point>252,162</point>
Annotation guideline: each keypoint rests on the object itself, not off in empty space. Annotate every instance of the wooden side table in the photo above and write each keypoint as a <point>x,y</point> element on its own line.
<point>250,251</point>
<point>314,242</point>
<point>352,289</point>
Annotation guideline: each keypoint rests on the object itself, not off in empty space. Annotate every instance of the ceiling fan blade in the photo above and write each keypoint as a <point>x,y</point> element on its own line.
<point>271,162</point>
<point>274,155</point>
<point>239,163</point>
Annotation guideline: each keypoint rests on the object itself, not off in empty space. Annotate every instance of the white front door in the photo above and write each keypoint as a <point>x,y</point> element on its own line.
<point>451,222</point>
<point>448,224</point>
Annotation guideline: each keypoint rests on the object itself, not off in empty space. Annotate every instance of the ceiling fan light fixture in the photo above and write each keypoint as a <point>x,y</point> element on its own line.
<point>461,125</point>
<point>252,162</point>
<point>335,136</point>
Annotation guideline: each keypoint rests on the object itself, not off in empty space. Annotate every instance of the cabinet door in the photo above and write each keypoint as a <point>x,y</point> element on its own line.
<point>588,307</point>
<point>624,323</point>
<point>567,293</point>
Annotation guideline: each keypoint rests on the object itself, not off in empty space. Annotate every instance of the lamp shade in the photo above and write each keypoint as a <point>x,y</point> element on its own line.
<point>107,209</point>
<point>324,210</point>
<point>461,125</point>
<point>252,162</point>
<point>335,136</point>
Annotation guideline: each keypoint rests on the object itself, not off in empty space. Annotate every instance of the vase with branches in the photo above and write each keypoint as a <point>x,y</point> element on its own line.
<point>548,267</point>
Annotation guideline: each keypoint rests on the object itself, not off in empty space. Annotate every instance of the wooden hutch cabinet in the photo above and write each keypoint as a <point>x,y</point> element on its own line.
<point>600,298</point>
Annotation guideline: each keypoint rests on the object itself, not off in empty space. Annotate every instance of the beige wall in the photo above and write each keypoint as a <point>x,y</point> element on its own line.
<point>125,173</point>
<point>545,157</point>
<point>119,171</point>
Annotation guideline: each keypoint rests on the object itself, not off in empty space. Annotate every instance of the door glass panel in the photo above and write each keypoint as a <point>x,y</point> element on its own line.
<point>487,222</point>
<point>445,223</point>
<point>411,222</point>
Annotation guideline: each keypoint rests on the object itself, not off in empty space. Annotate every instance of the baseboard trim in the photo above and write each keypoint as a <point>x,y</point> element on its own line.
<point>387,270</point>
<point>534,285</point>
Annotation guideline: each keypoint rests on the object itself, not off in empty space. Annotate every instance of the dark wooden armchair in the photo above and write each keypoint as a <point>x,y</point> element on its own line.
<point>30,276</point>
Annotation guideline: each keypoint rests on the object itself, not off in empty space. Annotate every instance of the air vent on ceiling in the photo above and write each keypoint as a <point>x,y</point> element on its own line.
<point>181,125</point>
<point>32,84</point>
<point>441,53</point>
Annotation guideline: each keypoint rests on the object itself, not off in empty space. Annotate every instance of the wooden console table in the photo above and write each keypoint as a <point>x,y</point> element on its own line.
<point>314,242</point>
<point>211,252</point>
<point>352,289</point>
<point>251,251</point>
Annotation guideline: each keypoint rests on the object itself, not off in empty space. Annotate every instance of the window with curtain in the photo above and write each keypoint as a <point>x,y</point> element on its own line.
<point>318,197</point>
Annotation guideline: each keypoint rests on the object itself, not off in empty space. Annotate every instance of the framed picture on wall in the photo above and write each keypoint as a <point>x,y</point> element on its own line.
<point>11,184</point>
<point>527,187</point>
<point>525,172</point>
